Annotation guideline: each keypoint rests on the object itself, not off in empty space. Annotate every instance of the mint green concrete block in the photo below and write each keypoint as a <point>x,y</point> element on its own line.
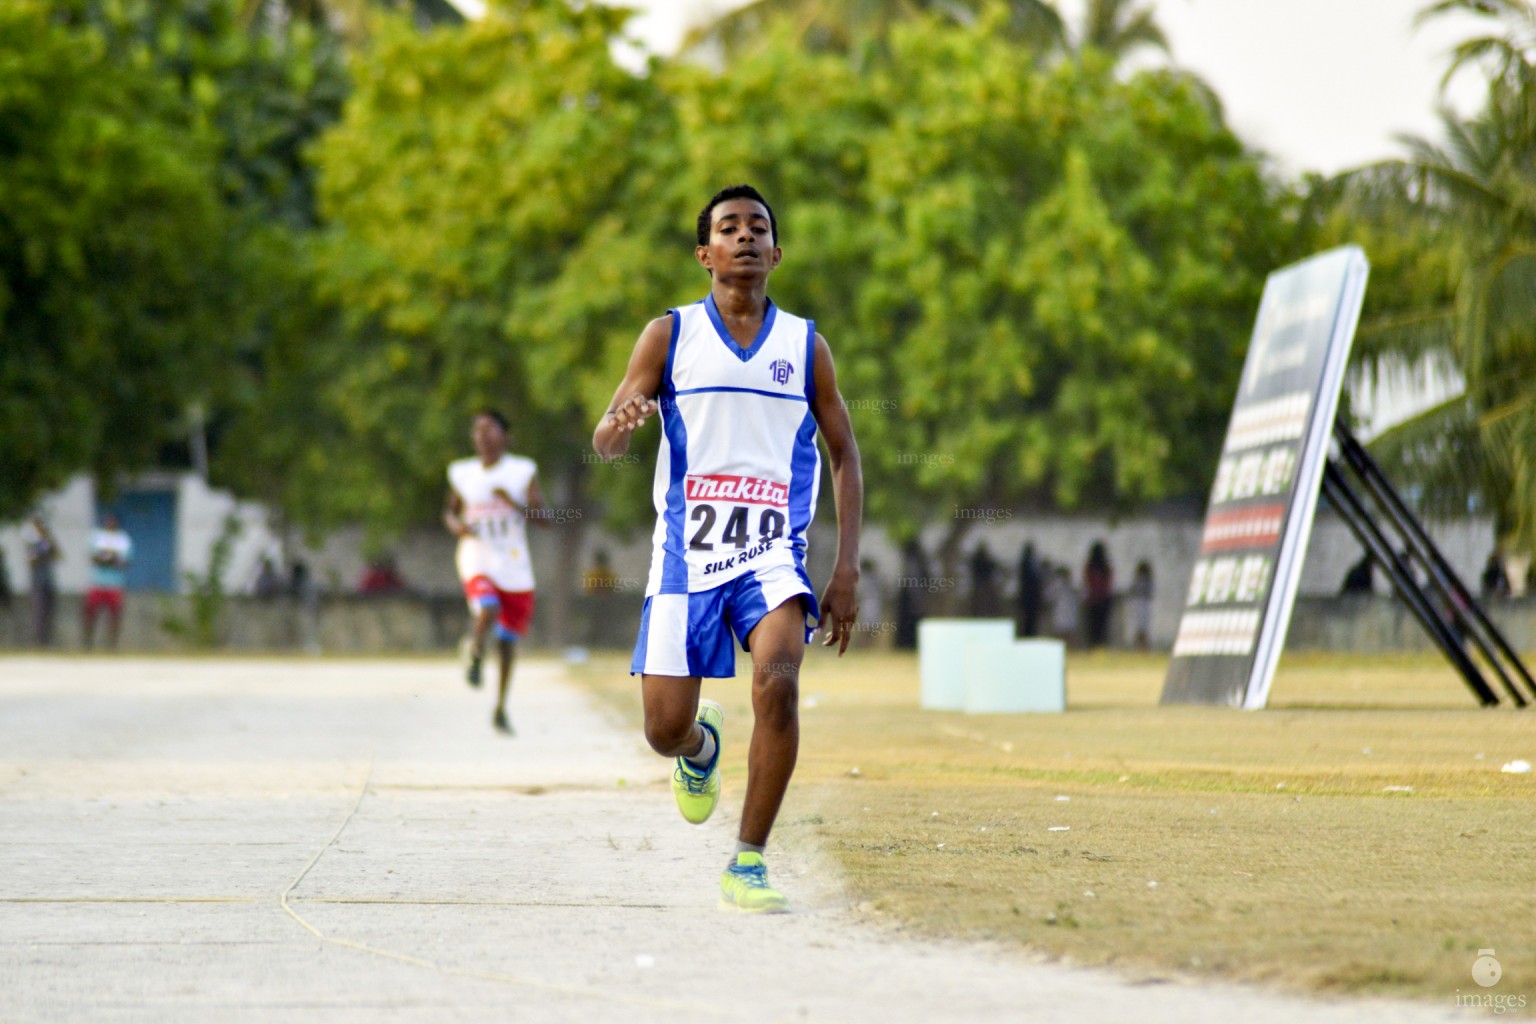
<point>1025,675</point>
<point>941,647</point>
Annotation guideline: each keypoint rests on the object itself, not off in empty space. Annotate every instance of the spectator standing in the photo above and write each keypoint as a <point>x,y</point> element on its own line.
<point>381,577</point>
<point>42,552</point>
<point>1027,601</point>
<point>111,551</point>
<point>985,598</point>
<point>872,598</point>
<point>1361,577</point>
<point>1140,609</point>
<point>1098,594</point>
<point>303,589</point>
<point>269,583</point>
<point>1494,583</point>
<point>600,584</point>
<point>600,580</point>
<point>914,580</point>
<point>1063,599</point>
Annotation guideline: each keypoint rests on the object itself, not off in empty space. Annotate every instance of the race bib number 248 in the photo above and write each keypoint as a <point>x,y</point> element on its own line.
<point>729,513</point>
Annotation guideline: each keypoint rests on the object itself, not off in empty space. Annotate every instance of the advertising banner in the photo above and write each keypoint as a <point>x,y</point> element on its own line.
<point>1259,516</point>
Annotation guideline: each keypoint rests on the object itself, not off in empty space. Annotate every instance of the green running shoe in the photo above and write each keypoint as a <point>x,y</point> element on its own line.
<point>698,792</point>
<point>745,887</point>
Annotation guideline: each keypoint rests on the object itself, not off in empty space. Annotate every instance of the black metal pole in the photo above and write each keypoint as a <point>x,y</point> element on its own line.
<point>1338,492</point>
<point>1442,579</point>
<point>1440,570</point>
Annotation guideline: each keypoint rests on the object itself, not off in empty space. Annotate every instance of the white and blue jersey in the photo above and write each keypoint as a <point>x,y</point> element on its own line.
<point>738,473</point>
<point>736,483</point>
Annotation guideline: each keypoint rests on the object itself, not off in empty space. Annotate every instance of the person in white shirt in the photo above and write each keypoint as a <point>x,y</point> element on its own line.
<point>111,551</point>
<point>490,498</point>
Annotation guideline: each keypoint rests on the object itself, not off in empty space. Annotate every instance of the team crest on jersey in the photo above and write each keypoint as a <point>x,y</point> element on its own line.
<point>781,369</point>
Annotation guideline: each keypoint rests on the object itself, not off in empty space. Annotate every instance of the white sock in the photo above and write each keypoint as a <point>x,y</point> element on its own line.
<point>706,752</point>
<point>742,848</point>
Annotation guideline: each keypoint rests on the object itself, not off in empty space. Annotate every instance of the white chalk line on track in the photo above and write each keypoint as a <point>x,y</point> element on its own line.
<point>432,965</point>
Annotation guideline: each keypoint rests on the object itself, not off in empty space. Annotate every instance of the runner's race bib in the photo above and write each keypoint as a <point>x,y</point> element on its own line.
<point>732,520</point>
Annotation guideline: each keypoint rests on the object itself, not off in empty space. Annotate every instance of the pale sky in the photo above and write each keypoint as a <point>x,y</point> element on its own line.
<point>1322,85</point>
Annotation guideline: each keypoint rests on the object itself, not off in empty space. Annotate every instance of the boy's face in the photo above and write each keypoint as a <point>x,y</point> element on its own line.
<point>488,438</point>
<point>741,243</point>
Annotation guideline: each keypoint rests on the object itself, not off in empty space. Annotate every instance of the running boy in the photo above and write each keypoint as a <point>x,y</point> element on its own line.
<point>742,388</point>
<point>489,497</point>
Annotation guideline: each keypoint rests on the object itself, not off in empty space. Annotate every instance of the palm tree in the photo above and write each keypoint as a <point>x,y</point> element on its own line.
<point>841,25</point>
<point>1477,192</point>
<point>1116,27</point>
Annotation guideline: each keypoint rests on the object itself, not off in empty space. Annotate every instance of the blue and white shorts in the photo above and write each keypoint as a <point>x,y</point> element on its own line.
<point>690,634</point>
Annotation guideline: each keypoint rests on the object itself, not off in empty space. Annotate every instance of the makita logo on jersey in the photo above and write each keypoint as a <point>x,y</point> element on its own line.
<point>737,488</point>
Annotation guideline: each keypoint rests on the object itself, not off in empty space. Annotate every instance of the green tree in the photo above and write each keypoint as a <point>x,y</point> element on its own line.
<point>488,238</point>
<point>1007,260</point>
<point>1080,245</point>
<point>113,255</point>
<point>474,170</point>
<point>1464,210</point>
<point>1117,27</point>
<point>843,25</point>
<point>159,191</point>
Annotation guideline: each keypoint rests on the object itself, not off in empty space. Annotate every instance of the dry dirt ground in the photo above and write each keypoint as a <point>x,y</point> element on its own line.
<point>290,840</point>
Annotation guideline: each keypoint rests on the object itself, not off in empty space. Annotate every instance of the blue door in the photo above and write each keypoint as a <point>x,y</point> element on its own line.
<point>149,518</point>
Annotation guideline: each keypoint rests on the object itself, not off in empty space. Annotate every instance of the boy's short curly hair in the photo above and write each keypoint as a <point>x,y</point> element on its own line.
<point>706,216</point>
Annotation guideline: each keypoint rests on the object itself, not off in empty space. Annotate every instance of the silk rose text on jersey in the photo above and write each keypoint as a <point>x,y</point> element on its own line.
<point>737,488</point>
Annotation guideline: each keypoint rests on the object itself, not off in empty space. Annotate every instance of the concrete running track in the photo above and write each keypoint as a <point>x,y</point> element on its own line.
<point>191,840</point>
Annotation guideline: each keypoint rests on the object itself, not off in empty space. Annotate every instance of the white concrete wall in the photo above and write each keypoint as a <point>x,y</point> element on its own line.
<point>70,512</point>
<point>1170,545</point>
<point>200,515</point>
<point>425,555</point>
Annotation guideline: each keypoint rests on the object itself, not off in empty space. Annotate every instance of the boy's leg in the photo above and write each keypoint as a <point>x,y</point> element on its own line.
<point>513,619</point>
<point>778,647</point>
<point>485,617</point>
<point>484,607</point>
<point>680,725</point>
<point>671,704</point>
<point>504,686</point>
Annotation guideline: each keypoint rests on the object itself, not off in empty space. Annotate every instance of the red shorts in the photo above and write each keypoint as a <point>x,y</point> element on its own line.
<point>98,598</point>
<point>516,606</point>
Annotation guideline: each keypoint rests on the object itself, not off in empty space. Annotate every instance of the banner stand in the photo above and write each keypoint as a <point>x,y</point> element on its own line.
<point>1447,610</point>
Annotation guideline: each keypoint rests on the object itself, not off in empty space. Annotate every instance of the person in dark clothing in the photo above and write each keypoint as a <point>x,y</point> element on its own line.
<point>1494,582</point>
<point>985,598</point>
<point>1027,601</point>
<point>1098,594</point>
<point>42,552</point>
<point>1361,578</point>
<point>909,593</point>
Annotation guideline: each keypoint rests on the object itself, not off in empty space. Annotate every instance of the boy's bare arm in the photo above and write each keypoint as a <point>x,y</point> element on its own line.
<point>453,515</point>
<point>840,601</point>
<point>634,401</point>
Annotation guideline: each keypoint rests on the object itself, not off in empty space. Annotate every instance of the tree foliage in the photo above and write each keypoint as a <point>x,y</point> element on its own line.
<point>478,173</point>
<point>1007,260</point>
<point>1460,217</point>
<point>1037,276</point>
<point>109,254</point>
<point>151,179</point>
<point>847,25</point>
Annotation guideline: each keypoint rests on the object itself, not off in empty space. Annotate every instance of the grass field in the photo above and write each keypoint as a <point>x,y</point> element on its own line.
<point>1357,836</point>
